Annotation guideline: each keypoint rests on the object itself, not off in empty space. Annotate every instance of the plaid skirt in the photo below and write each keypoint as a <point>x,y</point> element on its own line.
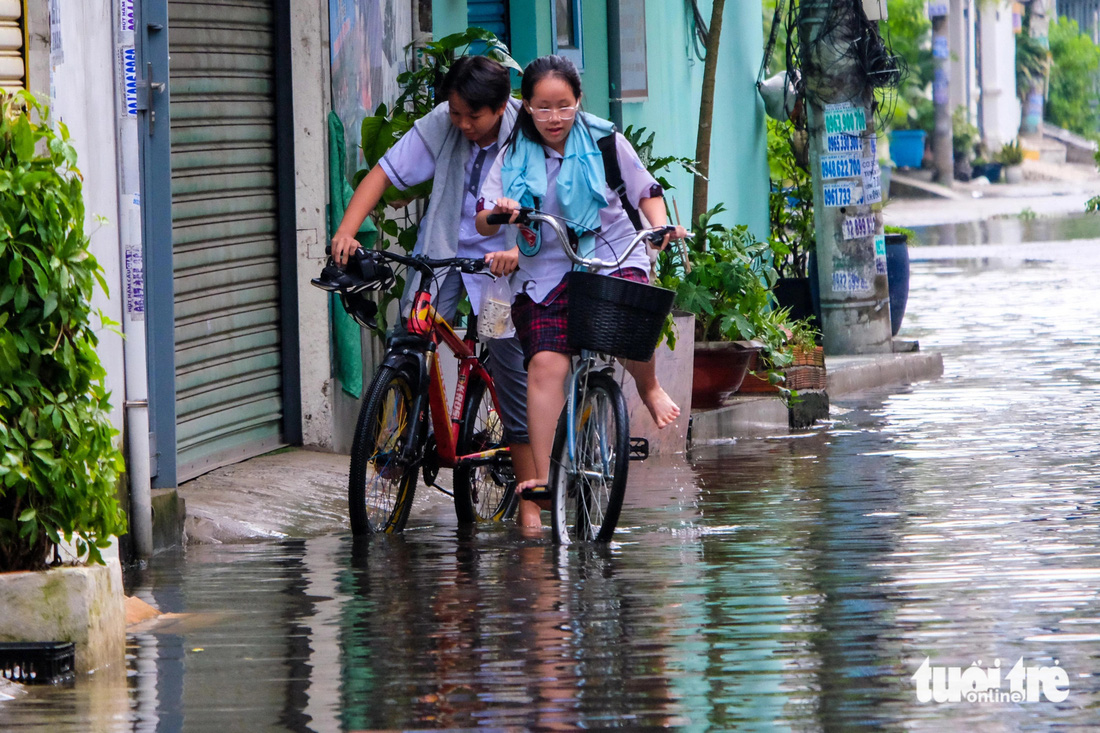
<point>543,326</point>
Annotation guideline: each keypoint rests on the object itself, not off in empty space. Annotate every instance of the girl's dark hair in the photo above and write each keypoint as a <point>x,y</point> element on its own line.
<point>535,72</point>
<point>479,81</point>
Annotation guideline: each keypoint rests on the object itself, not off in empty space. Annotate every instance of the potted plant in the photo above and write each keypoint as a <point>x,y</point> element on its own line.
<point>964,136</point>
<point>60,465</point>
<point>790,205</point>
<point>909,127</point>
<point>1011,156</point>
<point>59,462</point>
<point>728,288</point>
<point>991,170</point>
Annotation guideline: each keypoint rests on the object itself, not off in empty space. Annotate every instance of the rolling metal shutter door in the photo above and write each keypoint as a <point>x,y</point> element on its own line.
<point>224,232</point>
<point>13,61</point>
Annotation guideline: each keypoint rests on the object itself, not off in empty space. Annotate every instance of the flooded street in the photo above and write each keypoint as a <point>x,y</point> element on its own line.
<point>795,582</point>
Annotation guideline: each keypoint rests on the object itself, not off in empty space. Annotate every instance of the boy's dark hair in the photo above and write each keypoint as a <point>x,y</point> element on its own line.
<point>479,81</point>
<point>535,72</point>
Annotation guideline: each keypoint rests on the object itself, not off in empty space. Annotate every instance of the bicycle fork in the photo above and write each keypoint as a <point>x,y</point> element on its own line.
<point>578,388</point>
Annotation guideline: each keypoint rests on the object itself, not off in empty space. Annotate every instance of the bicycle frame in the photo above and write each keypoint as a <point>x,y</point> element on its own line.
<point>426,322</point>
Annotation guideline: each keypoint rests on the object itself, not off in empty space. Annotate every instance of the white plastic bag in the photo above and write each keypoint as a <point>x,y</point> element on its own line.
<point>494,318</point>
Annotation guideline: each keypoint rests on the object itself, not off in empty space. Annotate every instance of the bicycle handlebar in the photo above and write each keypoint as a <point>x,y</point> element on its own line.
<point>422,264</point>
<point>528,215</point>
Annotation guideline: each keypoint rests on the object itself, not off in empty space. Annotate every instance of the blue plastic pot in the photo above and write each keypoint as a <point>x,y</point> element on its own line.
<point>907,148</point>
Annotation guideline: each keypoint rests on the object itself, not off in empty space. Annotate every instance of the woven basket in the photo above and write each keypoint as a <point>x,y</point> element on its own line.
<point>613,316</point>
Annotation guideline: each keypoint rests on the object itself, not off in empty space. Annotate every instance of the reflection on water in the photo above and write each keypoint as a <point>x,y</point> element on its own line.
<point>795,582</point>
<point>1020,228</point>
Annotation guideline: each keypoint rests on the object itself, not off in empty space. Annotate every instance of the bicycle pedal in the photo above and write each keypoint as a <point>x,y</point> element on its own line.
<point>639,449</point>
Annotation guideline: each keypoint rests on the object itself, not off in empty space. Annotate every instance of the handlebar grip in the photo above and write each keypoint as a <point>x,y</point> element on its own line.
<point>498,218</point>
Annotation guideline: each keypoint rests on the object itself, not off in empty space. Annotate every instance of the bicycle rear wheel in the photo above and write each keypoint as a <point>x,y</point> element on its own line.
<point>586,494</point>
<point>381,484</point>
<point>483,492</point>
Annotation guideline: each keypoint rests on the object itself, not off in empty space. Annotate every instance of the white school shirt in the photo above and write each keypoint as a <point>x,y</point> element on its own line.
<point>408,163</point>
<point>539,274</point>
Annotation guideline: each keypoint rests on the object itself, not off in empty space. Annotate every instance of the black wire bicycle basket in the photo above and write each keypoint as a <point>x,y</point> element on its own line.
<point>613,316</point>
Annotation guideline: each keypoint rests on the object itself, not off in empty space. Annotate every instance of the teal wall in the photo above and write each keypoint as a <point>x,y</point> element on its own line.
<point>448,16</point>
<point>738,159</point>
<point>739,167</point>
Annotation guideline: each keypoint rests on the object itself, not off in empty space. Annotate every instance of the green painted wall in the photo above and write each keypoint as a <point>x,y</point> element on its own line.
<point>739,169</point>
<point>448,16</point>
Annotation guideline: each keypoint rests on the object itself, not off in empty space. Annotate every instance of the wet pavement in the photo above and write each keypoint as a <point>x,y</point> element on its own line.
<point>790,582</point>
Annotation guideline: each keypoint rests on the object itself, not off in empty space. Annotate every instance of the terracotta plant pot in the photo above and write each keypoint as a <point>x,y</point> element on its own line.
<point>719,369</point>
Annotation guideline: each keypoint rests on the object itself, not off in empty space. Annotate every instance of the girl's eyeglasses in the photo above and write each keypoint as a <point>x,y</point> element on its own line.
<point>545,115</point>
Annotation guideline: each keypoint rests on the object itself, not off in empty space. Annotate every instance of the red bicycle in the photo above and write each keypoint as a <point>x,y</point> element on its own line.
<point>405,426</point>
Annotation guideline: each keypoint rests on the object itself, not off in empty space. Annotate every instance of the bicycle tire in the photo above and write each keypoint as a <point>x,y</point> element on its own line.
<point>380,489</point>
<point>587,497</point>
<point>483,492</point>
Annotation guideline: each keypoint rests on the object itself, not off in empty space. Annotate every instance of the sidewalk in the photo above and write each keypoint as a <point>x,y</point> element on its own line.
<point>297,493</point>
<point>1047,190</point>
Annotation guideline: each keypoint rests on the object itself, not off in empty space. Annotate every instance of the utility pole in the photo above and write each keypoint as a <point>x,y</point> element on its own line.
<point>942,143</point>
<point>851,250</point>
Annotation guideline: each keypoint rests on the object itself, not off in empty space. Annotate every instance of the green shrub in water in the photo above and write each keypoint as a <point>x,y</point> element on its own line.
<point>60,466</point>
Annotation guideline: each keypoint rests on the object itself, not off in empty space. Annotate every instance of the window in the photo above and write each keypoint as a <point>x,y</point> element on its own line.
<point>567,20</point>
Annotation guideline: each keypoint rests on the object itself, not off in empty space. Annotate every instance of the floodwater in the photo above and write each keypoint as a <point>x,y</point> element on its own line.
<point>786,583</point>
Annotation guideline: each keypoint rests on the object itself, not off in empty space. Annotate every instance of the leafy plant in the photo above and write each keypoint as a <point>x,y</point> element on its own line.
<point>1032,65</point>
<point>428,64</point>
<point>790,203</point>
<point>729,289</point>
<point>60,465</point>
<point>910,36</point>
<point>910,235</point>
<point>1010,154</point>
<point>964,135</point>
<point>1073,98</point>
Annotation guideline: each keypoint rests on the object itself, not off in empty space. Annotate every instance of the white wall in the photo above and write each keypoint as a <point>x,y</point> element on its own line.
<point>1000,106</point>
<point>83,90</point>
<point>963,64</point>
<point>310,59</point>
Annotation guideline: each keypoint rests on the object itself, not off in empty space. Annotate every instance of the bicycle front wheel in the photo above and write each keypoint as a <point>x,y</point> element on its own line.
<point>586,491</point>
<point>381,482</point>
<point>484,491</point>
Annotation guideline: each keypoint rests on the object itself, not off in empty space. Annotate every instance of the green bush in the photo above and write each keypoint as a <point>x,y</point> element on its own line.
<point>909,33</point>
<point>1073,79</point>
<point>60,467</point>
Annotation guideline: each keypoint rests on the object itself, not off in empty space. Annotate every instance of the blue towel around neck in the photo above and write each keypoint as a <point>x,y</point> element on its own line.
<point>581,181</point>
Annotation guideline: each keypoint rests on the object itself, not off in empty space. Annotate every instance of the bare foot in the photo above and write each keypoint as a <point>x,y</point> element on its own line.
<point>661,407</point>
<point>535,505</point>
<point>528,515</point>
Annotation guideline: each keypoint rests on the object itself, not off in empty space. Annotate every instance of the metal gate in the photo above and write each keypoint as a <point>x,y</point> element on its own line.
<point>13,45</point>
<point>225,239</point>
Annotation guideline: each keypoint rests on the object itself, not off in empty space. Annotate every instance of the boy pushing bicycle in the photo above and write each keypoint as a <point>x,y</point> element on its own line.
<point>455,145</point>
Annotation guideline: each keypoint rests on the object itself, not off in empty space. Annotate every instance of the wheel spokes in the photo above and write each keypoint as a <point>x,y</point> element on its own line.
<point>390,436</point>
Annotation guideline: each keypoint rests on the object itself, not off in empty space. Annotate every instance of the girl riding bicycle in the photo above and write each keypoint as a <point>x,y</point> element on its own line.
<point>454,145</point>
<point>552,162</point>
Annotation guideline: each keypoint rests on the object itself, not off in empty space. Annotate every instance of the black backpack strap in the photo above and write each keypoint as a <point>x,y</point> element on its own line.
<point>614,177</point>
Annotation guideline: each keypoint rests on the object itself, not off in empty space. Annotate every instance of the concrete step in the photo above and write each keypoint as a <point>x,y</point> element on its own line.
<point>1078,149</point>
<point>1043,149</point>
